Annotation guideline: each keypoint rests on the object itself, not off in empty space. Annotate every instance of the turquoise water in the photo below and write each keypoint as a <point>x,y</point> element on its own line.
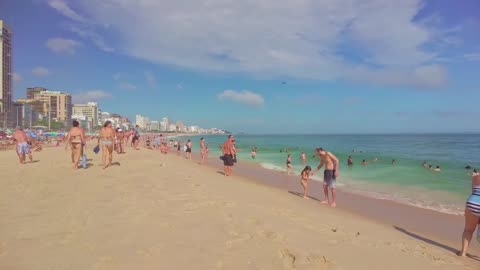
<point>406,182</point>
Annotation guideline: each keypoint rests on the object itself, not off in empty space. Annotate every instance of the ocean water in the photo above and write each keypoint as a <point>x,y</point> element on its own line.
<point>406,182</point>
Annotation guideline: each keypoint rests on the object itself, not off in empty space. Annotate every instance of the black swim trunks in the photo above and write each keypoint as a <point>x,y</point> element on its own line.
<point>135,138</point>
<point>189,150</point>
<point>228,160</point>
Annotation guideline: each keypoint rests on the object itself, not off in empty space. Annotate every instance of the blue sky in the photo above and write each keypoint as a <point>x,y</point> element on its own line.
<point>272,66</point>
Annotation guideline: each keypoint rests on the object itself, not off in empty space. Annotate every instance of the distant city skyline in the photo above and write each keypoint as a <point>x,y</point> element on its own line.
<point>315,67</point>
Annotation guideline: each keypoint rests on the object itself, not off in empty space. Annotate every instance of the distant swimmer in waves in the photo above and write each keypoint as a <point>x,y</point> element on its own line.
<point>253,153</point>
<point>437,169</point>
<point>424,164</point>
<point>394,162</point>
<point>350,161</point>
<point>364,162</point>
<point>303,157</point>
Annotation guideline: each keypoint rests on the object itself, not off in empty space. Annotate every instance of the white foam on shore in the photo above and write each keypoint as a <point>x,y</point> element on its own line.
<point>450,209</point>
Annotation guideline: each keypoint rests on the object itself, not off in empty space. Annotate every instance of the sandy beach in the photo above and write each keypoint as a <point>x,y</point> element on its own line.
<point>153,211</point>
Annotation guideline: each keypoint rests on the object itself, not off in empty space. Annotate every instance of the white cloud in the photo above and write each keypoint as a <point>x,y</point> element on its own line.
<point>62,45</point>
<point>41,71</point>
<point>244,97</point>
<point>151,80</point>
<point>472,56</point>
<point>312,39</point>
<point>65,10</point>
<point>90,96</point>
<point>17,77</point>
<point>127,86</point>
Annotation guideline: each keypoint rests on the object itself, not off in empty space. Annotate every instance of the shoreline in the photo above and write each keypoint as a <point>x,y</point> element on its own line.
<point>150,210</point>
<point>420,223</point>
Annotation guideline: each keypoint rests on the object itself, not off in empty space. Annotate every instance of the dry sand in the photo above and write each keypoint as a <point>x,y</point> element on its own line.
<point>163,212</point>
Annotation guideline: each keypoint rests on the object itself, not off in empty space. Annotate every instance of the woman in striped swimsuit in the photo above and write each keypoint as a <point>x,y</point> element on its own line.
<point>472,215</point>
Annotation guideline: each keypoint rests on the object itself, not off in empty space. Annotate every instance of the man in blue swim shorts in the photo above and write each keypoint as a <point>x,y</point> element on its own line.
<point>23,148</point>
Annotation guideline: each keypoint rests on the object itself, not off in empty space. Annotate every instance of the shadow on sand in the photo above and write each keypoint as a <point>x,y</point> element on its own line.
<point>301,195</point>
<point>432,242</point>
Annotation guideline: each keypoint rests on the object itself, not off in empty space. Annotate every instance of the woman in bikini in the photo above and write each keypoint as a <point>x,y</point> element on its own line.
<point>105,140</point>
<point>289,164</point>
<point>76,139</point>
<point>304,181</point>
<point>472,215</point>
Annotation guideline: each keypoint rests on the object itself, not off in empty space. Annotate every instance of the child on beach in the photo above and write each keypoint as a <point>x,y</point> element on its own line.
<point>289,164</point>
<point>304,180</point>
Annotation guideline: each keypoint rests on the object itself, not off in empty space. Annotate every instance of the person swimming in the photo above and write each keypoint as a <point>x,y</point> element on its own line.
<point>364,162</point>
<point>437,169</point>
<point>350,161</point>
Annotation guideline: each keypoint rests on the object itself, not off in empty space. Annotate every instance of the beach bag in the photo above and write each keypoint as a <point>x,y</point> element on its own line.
<point>96,149</point>
<point>84,161</point>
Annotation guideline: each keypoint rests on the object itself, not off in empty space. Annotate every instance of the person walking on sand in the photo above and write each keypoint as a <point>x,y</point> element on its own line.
<point>188,152</point>
<point>329,175</point>
<point>76,140</point>
<point>202,150</point>
<point>136,137</point>
<point>289,164</point>
<point>305,175</point>
<point>105,140</point>
<point>228,152</point>
<point>23,148</point>
<point>120,140</point>
<point>472,215</point>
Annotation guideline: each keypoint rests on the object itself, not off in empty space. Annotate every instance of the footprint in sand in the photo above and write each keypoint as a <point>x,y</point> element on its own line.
<point>322,261</point>
<point>288,258</point>
<point>103,263</point>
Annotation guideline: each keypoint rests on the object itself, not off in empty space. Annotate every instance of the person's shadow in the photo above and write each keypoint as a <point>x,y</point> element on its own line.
<point>432,242</point>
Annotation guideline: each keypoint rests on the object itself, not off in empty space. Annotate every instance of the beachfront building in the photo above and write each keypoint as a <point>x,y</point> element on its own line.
<point>6,74</point>
<point>31,111</point>
<point>172,128</point>
<point>193,129</point>
<point>180,126</point>
<point>164,124</point>
<point>56,105</point>
<point>142,121</point>
<point>32,91</point>
<point>85,121</point>
<point>155,125</point>
<point>89,110</point>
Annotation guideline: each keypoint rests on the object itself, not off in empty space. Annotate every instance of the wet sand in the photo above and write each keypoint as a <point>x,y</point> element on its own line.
<point>153,211</point>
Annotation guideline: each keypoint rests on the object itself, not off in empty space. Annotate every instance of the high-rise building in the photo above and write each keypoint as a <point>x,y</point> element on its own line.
<point>6,74</point>
<point>164,124</point>
<point>31,91</point>
<point>89,110</point>
<point>6,71</point>
<point>31,111</point>
<point>180,126</point>
<point>56,105</point>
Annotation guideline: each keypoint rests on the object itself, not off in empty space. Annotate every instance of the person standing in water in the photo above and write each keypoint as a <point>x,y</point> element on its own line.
<point>253,153</point>
<point>289,164</point>
<point>350,161</point>
<point>303,156</point>
<point>305,175</point>
<point>330,174</point>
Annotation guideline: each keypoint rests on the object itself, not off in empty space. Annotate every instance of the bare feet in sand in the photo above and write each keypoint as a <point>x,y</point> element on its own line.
<point>324,202</point>
<point>333,205</point>
<point>306,197</point>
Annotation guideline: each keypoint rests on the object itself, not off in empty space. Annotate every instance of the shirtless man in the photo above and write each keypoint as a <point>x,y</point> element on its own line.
<point>202,150</point>
<point>136,137</point>
<point>329,175</point>
<point>228,151</point>
<point>23,148</point>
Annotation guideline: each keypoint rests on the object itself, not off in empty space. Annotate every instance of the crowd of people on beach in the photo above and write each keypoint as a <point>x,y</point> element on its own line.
<point>111,140</point>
